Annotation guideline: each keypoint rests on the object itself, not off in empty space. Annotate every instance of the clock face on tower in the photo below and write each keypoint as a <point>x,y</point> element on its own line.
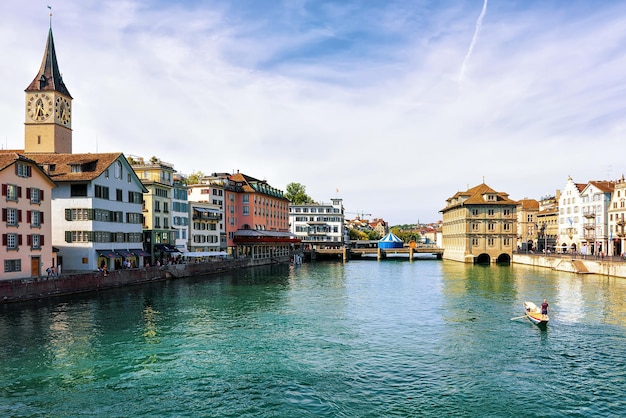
<point>39,107</point>
<point>63,111</point>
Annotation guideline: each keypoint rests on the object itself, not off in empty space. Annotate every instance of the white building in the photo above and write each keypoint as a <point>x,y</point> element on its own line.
<point>570,217</point>
<point>211,190</point>
<point>180,214</point>
<point>595,200</point>
<point>204,234</point>
<point>319,225</point>
<point>617,218</point>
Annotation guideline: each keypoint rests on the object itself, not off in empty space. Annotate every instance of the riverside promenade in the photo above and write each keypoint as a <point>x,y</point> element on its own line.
<point>33,288</point>
<point>575,263</point>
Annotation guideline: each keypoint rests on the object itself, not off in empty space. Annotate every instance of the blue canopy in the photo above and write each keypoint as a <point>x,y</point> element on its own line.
<point>390,241</point>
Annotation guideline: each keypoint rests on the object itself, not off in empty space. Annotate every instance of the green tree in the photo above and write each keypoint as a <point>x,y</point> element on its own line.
<point>195,177</point>
<point>296,193</point>
<point>355,234</point>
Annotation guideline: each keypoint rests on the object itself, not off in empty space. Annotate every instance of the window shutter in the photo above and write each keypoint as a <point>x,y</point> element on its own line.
<point>40,195</point>
<point>68,236</point>
<point>4,214</point>
<point>16,169</point>
<point>19,192</point>
<point>28,190</point>
<point>68,215</point>
<point>19,215</point>
<point>41,217</point>
<point>29,171</point>
<point>29,240</point>
<point>4,240</point>
<point>41,240</point>
<point>28,216</point>
<point>19,239</point>
<point>4,189</point>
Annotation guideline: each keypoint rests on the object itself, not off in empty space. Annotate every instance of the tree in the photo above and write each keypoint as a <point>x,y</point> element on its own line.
<point>195,177</point>
<point>296,193</point>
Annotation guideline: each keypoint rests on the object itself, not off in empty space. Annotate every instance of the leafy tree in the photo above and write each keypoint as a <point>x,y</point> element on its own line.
<point>373,235</point>
<point>296,193</point>
<point>355,234</point>
<point>195,177</point>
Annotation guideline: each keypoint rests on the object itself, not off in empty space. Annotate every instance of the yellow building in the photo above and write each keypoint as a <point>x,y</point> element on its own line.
<point>479,226</point>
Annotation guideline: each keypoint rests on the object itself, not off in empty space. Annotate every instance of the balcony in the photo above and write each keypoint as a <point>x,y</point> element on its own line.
<point>590,226</point>
<point>589,215</point>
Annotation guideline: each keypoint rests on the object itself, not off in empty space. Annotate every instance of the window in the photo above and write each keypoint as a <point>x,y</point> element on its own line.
<point>23,170</point>
<point>76,168</point>
<point>11,191</point>
<point>35,241</point>
<point>35,218</point>
<point>35,195</point>
<point>11,241</point>
<point>101,192</point>
<point>12,265</point>
<point>246,210</point>
<point>135,197</point>
<point>10,216</point>
<point>118,170</point>
<point>78,190</point>
<point>118,195</point>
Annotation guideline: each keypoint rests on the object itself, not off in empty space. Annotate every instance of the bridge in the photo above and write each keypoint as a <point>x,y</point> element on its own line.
<point>373,253</point>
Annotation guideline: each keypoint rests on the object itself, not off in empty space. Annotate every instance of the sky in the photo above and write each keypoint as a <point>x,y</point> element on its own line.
<point>393,106</point>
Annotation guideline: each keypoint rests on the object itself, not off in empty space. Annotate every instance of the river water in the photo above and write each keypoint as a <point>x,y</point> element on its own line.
<point>361,339</point>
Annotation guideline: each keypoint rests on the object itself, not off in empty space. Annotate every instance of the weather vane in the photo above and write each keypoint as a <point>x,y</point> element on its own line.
<point>50,8</point>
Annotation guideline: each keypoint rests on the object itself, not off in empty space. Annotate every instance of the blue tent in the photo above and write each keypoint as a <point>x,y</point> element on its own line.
<point>390,241</point>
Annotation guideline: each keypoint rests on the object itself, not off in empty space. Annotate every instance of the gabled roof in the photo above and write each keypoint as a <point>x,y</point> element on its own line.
<point>59,166</point>
<point>49,77</point>
<point>528,204</point>
<point>8,158</point>
<point>604,185</point>
<point>475,196</point>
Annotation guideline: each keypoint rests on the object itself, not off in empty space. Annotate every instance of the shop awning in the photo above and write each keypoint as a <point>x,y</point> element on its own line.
<point>125,253</point>
<point>206,210</point>
<point>166,248</point>
<point>141,253</point>
<point>107,254</point>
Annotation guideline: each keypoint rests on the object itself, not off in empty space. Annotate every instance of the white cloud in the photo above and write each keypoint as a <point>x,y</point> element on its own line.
<point>336,94</point>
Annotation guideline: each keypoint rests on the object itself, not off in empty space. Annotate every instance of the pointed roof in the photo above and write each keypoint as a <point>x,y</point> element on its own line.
<point>49,77</point>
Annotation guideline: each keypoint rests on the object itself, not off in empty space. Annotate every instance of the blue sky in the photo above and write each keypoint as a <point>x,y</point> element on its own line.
<point>396,104</point>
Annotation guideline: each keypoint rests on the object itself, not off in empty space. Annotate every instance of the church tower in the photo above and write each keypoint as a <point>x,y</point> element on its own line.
<point>48,126</point>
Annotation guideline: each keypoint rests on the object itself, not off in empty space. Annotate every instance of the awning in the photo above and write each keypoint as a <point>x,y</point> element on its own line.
<point>166,248</point>
<point>141,253</point>
<point>107,254</point>
<point>206,210</point>
<point>125,253</point>
<point>199,254</point>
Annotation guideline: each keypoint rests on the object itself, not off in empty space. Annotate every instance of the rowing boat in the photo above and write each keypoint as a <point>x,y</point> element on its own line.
<point>534,315</point>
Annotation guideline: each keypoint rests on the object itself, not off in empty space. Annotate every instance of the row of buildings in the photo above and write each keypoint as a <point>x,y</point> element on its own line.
<point>483,225</point>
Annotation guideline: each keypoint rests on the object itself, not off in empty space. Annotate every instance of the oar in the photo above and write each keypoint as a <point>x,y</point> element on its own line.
<point>518,317</point>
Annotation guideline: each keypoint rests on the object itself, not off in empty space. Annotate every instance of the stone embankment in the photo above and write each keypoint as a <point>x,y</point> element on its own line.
<point>613,267</point>
<point>44,287</point>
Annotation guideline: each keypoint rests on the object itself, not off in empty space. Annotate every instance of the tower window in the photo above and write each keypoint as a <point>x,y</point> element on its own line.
<point>38,139</point>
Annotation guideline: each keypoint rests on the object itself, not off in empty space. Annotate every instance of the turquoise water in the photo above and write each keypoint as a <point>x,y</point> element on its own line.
<point>364,339</point>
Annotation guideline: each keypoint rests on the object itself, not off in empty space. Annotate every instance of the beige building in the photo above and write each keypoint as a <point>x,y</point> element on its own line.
<point>548,223</point>
<point>527,227</point>
<point>159,235</point>
<point>617,219</point>
<point>479,226</point>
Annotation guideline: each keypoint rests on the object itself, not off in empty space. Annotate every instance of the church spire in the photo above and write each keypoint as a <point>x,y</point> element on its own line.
<point>49,77</point>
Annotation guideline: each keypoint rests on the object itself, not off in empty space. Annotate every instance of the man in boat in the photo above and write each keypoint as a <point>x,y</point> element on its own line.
<point>544,308</point>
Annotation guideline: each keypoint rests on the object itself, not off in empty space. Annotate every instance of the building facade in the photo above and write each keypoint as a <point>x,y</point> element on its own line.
<point>319,225</point>
<point>159,236</point>
<point>479,226</point>
<point>26,226</point>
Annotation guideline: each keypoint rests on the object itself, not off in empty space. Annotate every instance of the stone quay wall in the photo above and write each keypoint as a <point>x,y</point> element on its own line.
<point>613,267</point>
<point>17,290</point>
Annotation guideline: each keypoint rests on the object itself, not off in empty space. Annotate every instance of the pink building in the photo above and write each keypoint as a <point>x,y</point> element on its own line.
<point>26,226</point>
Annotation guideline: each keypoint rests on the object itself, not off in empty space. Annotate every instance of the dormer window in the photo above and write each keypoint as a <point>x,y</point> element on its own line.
<point>76,168</point>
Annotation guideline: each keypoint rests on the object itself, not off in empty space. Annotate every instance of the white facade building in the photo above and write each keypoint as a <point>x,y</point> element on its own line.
<point>96,208</point>
<point>319,225</point>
